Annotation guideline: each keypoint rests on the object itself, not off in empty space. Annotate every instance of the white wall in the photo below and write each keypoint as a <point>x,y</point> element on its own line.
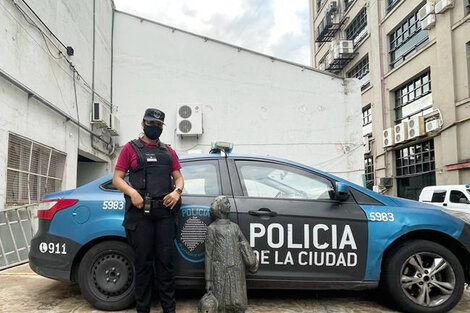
<point>25,57</point>
<point>263,106</point>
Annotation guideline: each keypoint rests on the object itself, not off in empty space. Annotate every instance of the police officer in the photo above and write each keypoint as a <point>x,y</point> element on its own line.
<point>152,201</point>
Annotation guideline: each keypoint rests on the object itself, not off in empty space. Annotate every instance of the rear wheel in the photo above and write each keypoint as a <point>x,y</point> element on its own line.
<point>106,276</point>
<point>423,277</point>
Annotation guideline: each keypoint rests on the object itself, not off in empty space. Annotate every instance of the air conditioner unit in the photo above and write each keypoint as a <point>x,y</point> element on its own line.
<point>401,132</point>
<point>443,5</point>
<point>332,7</point>
<point>385,182</point>
<point>364,80</point>
<point>388,138</point>
<point>428,22</point>
<point>427,9</point>
<point>100,116</point>
<point>416,127</point>
<point>114,125</point>
<point>342,47</point>
<point>367,145</point>
<point>432,126</point>
<point>189,120</point>
<point>360,36</point>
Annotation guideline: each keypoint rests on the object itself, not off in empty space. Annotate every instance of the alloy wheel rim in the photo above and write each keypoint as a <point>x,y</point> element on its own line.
<point>427,279</point>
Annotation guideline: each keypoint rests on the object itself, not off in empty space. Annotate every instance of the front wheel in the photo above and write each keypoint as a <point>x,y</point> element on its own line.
<point>423,277</point>
<point>106,276</point>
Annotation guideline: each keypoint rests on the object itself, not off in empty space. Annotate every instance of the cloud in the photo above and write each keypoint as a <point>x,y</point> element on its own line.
<point>277,27</point>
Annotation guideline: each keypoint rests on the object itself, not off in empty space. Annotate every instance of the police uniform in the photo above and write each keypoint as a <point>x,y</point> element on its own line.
<point>151,234</point>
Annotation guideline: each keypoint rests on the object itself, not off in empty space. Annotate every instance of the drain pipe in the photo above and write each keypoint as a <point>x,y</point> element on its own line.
<point>107,153</point>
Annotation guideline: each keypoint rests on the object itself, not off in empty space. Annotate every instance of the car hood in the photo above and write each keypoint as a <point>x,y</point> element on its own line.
<point>413,204</point>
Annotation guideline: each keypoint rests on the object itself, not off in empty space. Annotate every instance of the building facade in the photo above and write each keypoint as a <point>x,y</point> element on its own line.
<point>412,59</point>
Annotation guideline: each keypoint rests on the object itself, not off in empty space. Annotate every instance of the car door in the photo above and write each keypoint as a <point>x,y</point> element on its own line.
<point>204,179</point>
<point>296,228</point>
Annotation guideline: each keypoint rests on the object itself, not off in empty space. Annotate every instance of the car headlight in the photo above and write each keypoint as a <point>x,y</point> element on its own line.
<point>459,214</point>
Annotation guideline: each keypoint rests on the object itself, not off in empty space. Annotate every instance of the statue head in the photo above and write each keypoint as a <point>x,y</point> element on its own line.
<point>220,207</point>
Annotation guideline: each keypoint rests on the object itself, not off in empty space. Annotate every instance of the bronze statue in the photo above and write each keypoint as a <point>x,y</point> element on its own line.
<point>228,254</point>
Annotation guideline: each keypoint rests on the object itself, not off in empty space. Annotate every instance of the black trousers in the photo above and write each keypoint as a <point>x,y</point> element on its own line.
<point>151,237</point>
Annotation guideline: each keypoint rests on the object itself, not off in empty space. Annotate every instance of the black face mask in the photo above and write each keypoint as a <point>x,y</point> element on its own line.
<point>153,132</point>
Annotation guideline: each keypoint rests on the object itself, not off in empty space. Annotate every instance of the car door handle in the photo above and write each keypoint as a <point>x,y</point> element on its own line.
<point>262,212</point>
<point>444,204</point>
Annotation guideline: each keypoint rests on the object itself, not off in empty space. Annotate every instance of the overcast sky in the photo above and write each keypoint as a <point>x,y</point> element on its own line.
<point>275,27</point>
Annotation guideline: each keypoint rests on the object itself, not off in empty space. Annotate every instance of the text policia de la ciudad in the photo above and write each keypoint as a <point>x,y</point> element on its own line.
<point>320,245</point>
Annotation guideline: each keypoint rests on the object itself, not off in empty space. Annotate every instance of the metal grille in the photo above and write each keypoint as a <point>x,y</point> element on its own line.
<point>32,171</point>
<point>16,231</point>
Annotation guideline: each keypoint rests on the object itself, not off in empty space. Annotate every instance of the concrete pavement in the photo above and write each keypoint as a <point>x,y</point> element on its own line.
<point>21,290</point>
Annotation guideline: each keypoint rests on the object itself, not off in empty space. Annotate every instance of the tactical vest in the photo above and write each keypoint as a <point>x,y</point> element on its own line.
<point>152,176</point>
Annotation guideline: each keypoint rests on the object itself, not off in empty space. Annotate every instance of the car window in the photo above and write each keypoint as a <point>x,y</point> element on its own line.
<point>201,178</point>
<point>269,180</point>
<point>438,196</point>
<point>458,197</point>
<point>110,186</point>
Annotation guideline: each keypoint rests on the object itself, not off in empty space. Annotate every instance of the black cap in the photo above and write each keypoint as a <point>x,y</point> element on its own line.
<point>154,115</point>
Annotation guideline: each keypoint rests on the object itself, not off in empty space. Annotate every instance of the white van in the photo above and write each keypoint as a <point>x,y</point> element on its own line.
<point>449,196</point>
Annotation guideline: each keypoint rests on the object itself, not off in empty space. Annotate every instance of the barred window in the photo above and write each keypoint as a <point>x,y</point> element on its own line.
<point>369,171</point>
<point>392,4</point>
<point>357,25</point>
<point>360,69</point>
<point>366,116</point>
<point>416,159</point>
<point>32,170</point>
<point>412,91</point>
<point>406,38</point>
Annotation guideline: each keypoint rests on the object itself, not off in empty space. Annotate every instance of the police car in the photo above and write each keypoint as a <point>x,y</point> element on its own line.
<point>309,230</point>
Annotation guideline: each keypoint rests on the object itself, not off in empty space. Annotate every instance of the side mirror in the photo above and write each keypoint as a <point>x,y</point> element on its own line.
<point>464,201</point>
<point>341,191</point>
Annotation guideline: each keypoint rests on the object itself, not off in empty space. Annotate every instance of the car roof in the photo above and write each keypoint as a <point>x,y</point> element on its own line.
<point>444,187</point>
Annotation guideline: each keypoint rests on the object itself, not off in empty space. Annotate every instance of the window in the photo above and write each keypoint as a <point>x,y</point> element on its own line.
<point>360,70</point>
<point>406,38</point>
<point>366,116</point>
<point>391,4</point>
<point>109,186</point>
<point>369,171</point>
<point>201,178</point>
<point>347,3</point>
<point>33,170</point>
<point>357,25</point>
<point>412,91</point>
<point>438,196</point>
<point>269,180</point>
<point>468,65</point>
<point>415,159</point>
<point>458,197</point>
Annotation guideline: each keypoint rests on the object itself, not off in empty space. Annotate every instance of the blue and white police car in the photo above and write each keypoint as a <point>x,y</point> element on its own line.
<point>309,229</point>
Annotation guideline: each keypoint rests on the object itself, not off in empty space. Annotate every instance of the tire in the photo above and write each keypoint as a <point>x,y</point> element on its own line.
<point>106,276</point>
<point>413,279</point>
